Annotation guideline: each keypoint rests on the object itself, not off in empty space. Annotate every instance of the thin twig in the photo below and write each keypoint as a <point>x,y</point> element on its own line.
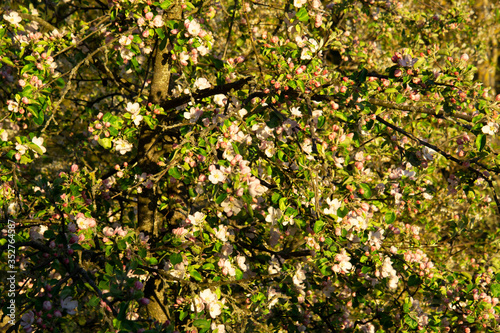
<point>230,29</point>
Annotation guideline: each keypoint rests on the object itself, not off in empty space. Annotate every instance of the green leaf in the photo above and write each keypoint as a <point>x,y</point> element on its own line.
<point>239,274</point>
<point>152,261</point>
<point>412,323</point>
<point>318,226</point>
<point>163,44</point>
<point>35,147</point>
<point>302,15</point>
<point>183,315</point>
<point>406,306</point>
<point>480,141</point>
<point>400,99</point>
<point>321,121</point>
<point>208,266</point>
<point>495,289</point>
<point>116,122</point>
<point>175,258</point>
<point>123,311</point>
<point>165,5</point>
<point>367,191</point>
<point>414,281</point>
<point>391,90</point>
<point>283,204</point>
<point>113,131</point>
<point>174,172</point>
<point>202,323</point>
<point>108,268</point>
<point>107,117</point>
<point>94,301</point>
<point>150,120</point>
<point>160,32</point>
<point>301,85</point>
<point>105,142</point>
<point>195,274</point>
<point>221,198</point>
<point>240,42</point>
<point>326,270</point>
<point>419,62</point>
<point>8,61</point>
<point>477,118</point>
<point>121,244</point>
<point>390,217</point>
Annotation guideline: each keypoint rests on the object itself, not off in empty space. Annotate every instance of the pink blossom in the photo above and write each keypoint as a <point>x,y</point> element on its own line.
<point>193,27</point>
<point>108,231</point>
<point>158,21</point>
<point>47,305</point>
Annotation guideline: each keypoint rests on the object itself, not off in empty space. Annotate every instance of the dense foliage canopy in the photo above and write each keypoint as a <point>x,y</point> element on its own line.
<point>249,166</point>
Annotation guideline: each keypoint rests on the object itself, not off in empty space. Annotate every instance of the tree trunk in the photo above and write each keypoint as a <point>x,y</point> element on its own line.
<point>150,150</point>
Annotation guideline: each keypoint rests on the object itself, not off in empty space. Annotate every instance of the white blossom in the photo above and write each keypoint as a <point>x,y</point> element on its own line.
<point>295,112</point>
<point>193,27</point>
<point>299,3</point>
<point>216,176</point>
<point>122,146</point>
<point>274,215</point>
<point>202,83</point>
<point>69,305</point>
<point>13,18</point>
<point>220,99</point>
<point>490,128</point>
<point>39,143</point>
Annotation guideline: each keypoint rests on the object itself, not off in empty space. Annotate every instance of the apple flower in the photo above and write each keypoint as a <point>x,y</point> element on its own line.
<point>333,206</point>
<point>134,109</point>
<point>69,305</point>
<point>193,115</point>
<point>217,176</point>
<point>407,61</point>
<point>193,27</point>
<point>39,143</point>
<point>295,112</point>
<point>197,219</point>
<point>299,3</point>
<point>27,320</point>
<point>202,83</point>
<point>220,99</point>
<point>122,146</point>
<point>274,215</point>
<point>491,128</point>
<point>13,18</point>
